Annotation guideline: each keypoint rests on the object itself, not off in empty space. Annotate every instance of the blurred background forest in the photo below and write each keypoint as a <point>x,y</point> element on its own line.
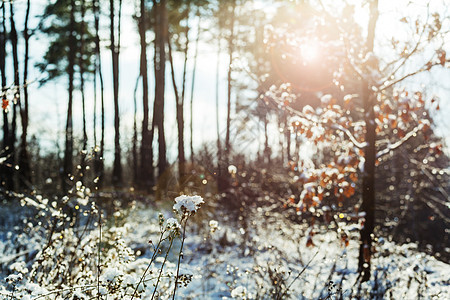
<point>324,109</point>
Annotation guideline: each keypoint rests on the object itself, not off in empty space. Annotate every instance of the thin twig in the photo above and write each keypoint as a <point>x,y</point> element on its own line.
<point>162,266</point>
<point>99,259</point>
<point>298,276</point>
<point>394,146</point>
<point>179,258</point>
<point>161,239</point>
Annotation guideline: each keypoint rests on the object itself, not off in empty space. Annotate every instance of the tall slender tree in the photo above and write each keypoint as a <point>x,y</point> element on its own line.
<point>231,41</point>
<point>82,72</point>
<point>99,162</point>
<point>146,172</point>
<point>368,183</point>
<point>191,102</point>
<point>115,51</point>
<point>6,170</point>
<point>68,149</point>
<point>175,23</point>
<point>24,156</point>
<point>9,150</point>
<point>134,149</point>
<point>219,143</point>
<point>161,32</point>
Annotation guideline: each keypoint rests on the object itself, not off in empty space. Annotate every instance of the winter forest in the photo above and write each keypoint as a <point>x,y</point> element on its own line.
<point>235,149</point>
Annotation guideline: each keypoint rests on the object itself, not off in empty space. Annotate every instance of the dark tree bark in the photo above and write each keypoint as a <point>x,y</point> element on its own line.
<point>115,50</point>
<point>24,155</point>
<point>191,106</point>
<point>288,138</point>
<point>266,140</point>
<point>161,31</point>
<point>11,150</point>
<point>146,172</point>
<point>229,83</point>
<point>6,167</point>
<point>180,105</point>
<point>99,164</point>
<point>221,184</point>
<point>179,113</point>
<point>68,150</point>
<point>134,150</point>
<point>83,100</point>
<point>3,37</point>
<point>179,99</point>
<point>368,193</point>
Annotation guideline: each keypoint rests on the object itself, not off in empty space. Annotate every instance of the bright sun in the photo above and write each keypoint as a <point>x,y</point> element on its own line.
<point>309,51</point>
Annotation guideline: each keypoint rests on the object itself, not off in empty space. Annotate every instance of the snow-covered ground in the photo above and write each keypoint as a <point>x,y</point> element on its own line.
<point>260,256</point>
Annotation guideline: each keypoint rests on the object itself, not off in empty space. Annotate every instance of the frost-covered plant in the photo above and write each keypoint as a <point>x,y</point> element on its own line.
<point>169,230</point>
<point>81,254</point>
<point>185,206</point>
<point>240,292</point>
<point>12,280</point>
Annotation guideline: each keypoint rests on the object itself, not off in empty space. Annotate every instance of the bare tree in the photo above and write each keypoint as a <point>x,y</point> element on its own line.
<point>5,167</point>
<point>191,106</point>
<point>368,184</point>
<point>179,97</point>
<point>231,38</point>
<point>146,172</point>
<point>24,156</point>
<point>68,150</point>
<point>219,143</point>
<point>115,51</point>
<point>82,75</point>
<point>99,163</point>
<point>161,32</point>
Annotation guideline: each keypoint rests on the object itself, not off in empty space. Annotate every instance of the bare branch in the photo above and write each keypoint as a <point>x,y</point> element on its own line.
<point>424,68</point>
<point>430,177</point>
<point>352,138</point>
<point>435,208</point>
<point>347,132</point>
<point>416,47</point>
<point>394,146</point>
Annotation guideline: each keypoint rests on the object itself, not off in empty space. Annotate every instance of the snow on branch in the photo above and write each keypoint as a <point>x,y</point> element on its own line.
<point>305,117</point>
<point>352,138</point>
<point>397,144</point>
<point>426,67</point>
<point>431,178</point>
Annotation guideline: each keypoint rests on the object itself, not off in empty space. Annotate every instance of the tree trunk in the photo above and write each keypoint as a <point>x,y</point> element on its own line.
<point>179,99</point>
<point>83,100</point>
<point>115,50</point>
<point>24,156</point>
<point>146,173</point>
<point>180,121</point>
<point>99,164</point>
<point>191,106</point>
<point>266,140</point>
<point>161,32</point>
<point>68,150</point>
<point>281,139</point>
<point>220,172</point>
<point>3,37</point>
<point>287,132</point>
<point>229,83</point>
<point>180,107</point>
<point>135,137</point>
<point>368,193</point>
<point>162,160</point>
<point>11,151</point>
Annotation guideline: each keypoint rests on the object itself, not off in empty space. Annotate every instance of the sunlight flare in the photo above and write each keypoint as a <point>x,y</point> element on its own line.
<point>309,51</point>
